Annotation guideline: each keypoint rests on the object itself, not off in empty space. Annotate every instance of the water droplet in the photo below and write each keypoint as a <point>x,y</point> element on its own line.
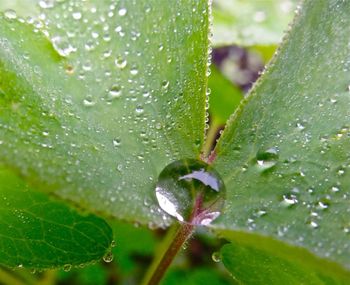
<point>46,4</point>
<point>134,70</point>
<point>88,102</point>
<point>139,109</point>
<point>289,200</point>
<point>216,257</point>
<point>114,92</point>
<point>116,142</point>
<point>322,205</point>
<point>122,12</point>
<point>335,189</point>
<point>108,257</point>
<point>113,243</point>
<point>76,15</point>
<point>120,62</point>
<point>10,14</point>
<point>267,159</point>
<point>67,267</point>
<point>165,84</point>
<point>300,126</point>
<point>191,191</point>
<point>62,46</point>
<point>158,126</point>
<point>313,224</point>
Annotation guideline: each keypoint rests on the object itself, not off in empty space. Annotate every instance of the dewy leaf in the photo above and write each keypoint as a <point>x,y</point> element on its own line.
<point>37,232</point>
<point>120,97</point>
<point>284,156</point>
<point>250,23</point>
<point>251,261</point>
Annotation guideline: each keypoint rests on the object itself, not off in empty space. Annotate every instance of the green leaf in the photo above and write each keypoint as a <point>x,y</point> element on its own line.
<point>249,23</point>
<point>38,232</point>
<point>121,96</point>
<point>224,97</point>
<point>285,153</point>
<point>204,275</point>
<point>253,260</point>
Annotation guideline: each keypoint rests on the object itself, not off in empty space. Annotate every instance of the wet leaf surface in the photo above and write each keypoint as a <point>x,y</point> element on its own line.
<point>39,233</point>
<point>117,94</point>
<point>284,156</point>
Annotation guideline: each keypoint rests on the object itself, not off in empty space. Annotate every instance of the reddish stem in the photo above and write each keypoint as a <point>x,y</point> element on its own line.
<point>182,235</point>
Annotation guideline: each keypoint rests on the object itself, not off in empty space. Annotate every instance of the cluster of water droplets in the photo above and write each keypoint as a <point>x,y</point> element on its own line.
<point>124,80</point>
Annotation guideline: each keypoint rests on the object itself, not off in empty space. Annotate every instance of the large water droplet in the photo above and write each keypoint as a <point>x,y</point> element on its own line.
<point>191,191</point>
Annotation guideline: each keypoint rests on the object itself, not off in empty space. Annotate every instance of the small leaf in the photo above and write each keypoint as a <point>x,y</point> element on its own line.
<point>39,233</point>
<point>119,94</point>
<point>284,156</point>
<point>249,23</point>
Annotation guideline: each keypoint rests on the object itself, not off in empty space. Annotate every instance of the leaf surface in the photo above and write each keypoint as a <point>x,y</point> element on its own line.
<point>118,95</point>
<point>253,260</point>
<point>285,153</point>
<point>39,233</point>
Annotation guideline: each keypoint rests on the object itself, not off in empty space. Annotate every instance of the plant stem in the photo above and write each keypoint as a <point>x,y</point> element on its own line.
<point>173,242</point>
<point>176,237</point>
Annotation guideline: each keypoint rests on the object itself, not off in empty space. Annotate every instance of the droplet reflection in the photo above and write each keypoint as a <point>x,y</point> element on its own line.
<point>191,191</point>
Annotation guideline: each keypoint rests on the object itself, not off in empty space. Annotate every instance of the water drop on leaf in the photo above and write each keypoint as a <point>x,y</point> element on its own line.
<point>114,92</point>
<point>289,200</point>
<point>10,14</point>
<point>122,12</point>
<point>216,257</point>
<point>62,46</point>
<point>165,84</point>
<point>120,62</point>
<point>116,142</point>
<point>191,191</point>
<point>67,267</point>
<point>267,159</point>
<point>108,257</point>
